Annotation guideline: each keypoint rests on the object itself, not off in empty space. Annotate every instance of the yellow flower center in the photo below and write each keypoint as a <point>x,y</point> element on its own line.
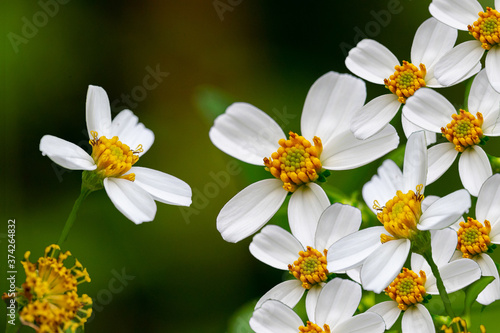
<point>458,325</point>
<point>487,28</point>
<point>407,288</point>
<point>296,162</point>
<point>400,215</point>
<point>50,292</point>
<point>310,267</point>
<point>313,328</point>
<point>112,157</point>
<point>406,80</point>
<point>473,237</point>
<point>464,130</point>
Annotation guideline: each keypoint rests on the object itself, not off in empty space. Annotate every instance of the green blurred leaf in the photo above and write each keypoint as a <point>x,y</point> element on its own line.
<point>475,289</point>
<point>239,322</point>
<point>211,102</point>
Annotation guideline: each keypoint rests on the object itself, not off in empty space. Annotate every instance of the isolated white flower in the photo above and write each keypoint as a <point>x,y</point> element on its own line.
<point>476,235</point>
<point>408,291</point>
<point>336,304</point>
<point>252,136</point>
<point>133,190</point>
<point>304,252</point>
<point>383,250</point>
<point>465,131</point>
<point>483,26</point>
<point>373,62</point>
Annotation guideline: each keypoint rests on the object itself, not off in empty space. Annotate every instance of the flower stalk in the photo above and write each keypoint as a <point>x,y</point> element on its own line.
<point>85,191</point>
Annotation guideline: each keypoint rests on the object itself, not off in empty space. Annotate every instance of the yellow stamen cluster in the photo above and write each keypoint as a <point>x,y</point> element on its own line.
<point>464,130</point>
<point>310,267</point>
<point>400,215</point>
<point>460,326</point>
<point>487,28</point>
<point>406,80</point>
<point>407,288</point>
<point>296,162</point>
<point>112,157</point>
<point>313,328</point>
<point>50,293</point>
<point>473,237</point>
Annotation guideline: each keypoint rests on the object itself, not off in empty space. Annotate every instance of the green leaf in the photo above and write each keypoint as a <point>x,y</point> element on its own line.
<point>239,322</point>
<point>211,102</point>
<point>475,289</point>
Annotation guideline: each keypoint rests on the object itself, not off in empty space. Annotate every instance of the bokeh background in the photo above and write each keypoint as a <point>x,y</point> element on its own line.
<point>181,275</point>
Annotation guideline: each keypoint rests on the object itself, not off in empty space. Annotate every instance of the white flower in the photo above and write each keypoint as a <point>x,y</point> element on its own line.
<point>481,232</point>
<point>456,275</point>
<point>383,250</point>
<point>306,252</point>
<point>431,111</point>
<point>483,26</point>
<point>250,135</point>
<point>375,63</point>
<point>337,302</point>
<point>133,190</point>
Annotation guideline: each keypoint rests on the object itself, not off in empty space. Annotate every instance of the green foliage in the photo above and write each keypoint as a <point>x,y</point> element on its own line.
<point>211,102</point>
<point>475,289</point>
<point>239,322</point>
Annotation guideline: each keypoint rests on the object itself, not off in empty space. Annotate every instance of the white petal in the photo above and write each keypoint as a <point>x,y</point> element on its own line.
<point>354,274</point>
<point>371,61</point>
<point>429,110</point>
<point>349,152</point>
<point>374,116</point>
<point>428,201</point>
<point>456,13</point>
<point>459,274</point>
<point>66,154</point>
<point>487,207</point>
<point>497,4</point>
<point>483,98</point>
<point>246,133</point>
<point>445,211</point>
<point>362,323</point>
<point>488,268</point>
<point>388,310</point>
<point>458,62</point>
<point>353,249</point>
<point>338,301</point>
<point>312,300</point>
<point>275,247</point>
<point>418,263</point>
<point>417,319</point>
<point>384,264</point>
<point>409,128</point>
<point>130,131</point>
<point>130,199</point>
<point>444,244</point>
<point>415,163</point>
<point>432,40</point>
<point>274,316</point>
<point>336,222</point>
<point>163,187</point>
<point>304,210</point>
<point>250,209</point>
<point>98,111</point>
<point>439,158</point>
<point>330,104</point>
<point>474,168</point>
<point>288,292</point>
<point>384,185</point>
<point>492,65</point>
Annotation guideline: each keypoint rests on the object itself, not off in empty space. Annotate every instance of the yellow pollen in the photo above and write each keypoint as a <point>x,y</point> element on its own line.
<point>406,80</point>
<point>310,267</point>
<point>487,28</point>
<point>407,288</point>
<point>464,130</point>
<point>458,325</point>
<point>296,162</point>
<point>313,328</point>
<point>112,157</point>
<point>473,238</point>
<point>400,215</point>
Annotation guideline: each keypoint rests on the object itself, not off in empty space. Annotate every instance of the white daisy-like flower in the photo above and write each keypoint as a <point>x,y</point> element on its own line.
<point>373,62</point>
<point>382,251</point>
<point>476,236</point>
<point>483,26</point>
<point>410,288</point>
<point>334,311</point>
<point>133,190</point>
<point>465,131</point>
<point>304,252</point>
<point>250,135</point>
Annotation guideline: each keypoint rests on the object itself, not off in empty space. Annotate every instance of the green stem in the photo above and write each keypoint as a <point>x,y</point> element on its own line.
<point>439,281</point>
<point>72,216</point>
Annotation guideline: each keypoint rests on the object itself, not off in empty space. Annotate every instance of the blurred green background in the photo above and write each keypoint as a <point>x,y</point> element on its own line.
<point>182,276</point>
